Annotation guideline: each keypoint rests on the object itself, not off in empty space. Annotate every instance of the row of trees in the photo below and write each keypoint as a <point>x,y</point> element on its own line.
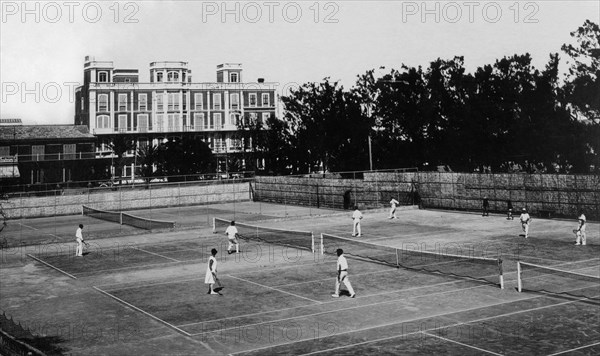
<point>505,116</point>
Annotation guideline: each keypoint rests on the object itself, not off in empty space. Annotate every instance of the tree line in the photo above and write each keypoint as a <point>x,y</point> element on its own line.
<point>505,117</point>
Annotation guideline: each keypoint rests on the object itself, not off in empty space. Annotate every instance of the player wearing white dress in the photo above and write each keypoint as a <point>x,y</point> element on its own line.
<point>581,238</point>
<point>342,275</point>
<point>232,235</point>
<point>525,220</point>
<point>211,272</point>
<point>80,241</point>
<point>356,217</point>
<point>393,204</point>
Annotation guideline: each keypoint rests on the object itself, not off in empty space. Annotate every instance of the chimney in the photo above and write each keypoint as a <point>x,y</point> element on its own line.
<point>261,80</point>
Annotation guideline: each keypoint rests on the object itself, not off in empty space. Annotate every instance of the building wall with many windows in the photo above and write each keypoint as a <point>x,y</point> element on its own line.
<point>114,102</point>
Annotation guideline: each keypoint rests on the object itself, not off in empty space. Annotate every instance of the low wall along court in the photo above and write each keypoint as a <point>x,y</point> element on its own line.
<point>555,194</point>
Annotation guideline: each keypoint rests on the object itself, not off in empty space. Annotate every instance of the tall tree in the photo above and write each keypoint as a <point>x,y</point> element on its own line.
<point>326,123</point>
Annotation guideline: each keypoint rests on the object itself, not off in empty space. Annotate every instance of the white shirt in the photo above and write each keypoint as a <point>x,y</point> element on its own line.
<point>524,218</point>
<point>394,202</point>
<point>357,215</point>
<point>342,264</point>
<point>231,232</point>
<point>79,234</point>
<point>214,264</point>
<point>582,217</point>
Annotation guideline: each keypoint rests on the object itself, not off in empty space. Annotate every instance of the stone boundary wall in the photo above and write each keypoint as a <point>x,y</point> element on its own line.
<point>126,199</point>
<point>563,195</point>
<point>334,193</point>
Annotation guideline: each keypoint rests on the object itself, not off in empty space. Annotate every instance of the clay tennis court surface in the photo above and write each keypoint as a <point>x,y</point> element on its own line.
<point>144,293</point>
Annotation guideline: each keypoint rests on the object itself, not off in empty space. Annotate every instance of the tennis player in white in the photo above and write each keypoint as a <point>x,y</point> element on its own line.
<point>232,235</point>
<point>80,241</point>
<point>342,275</point>
<point>211,272</point>
<point>525,220</point>
<point>581,238</point>
<point>393,204</point>
<point>356,217</point>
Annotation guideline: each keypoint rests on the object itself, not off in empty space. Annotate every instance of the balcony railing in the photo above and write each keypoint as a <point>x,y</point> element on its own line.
<point>56,156</point>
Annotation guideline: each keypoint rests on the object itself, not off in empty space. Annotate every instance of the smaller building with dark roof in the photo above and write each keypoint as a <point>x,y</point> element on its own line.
<point>43,154</point>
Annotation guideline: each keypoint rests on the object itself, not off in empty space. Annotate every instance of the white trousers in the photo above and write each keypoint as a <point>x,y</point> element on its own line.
<point>356,228</point>
<point>343,278</point>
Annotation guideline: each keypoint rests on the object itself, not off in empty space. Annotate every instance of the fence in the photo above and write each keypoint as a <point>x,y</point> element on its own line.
<point>13,337</point>
<point>554,194</point>
<point>122,198</point>
<point>337,191</point>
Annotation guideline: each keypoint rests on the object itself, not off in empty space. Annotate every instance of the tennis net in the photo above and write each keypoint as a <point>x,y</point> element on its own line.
<point>292,238</point>
<point>536,278</point>
<point>484,269</point>
<point>128,219</point>
<point>144,223</point>
<point>113,216</point>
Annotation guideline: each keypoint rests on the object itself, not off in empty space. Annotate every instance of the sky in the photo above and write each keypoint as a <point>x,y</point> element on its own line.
<point>43,43</point>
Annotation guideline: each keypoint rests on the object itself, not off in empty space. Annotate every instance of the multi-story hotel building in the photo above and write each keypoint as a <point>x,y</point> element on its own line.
<point>114,102</point>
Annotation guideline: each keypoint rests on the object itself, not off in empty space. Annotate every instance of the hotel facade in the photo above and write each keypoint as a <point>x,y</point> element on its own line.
<point>113,102</point>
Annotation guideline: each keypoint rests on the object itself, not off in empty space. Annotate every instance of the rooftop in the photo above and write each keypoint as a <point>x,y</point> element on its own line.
<point>33,132</point>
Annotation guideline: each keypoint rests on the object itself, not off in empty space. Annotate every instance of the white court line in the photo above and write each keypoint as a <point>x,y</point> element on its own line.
<point>279,290</point>
<point>29,227</point>
<point>462,344</point>
<point>156,254</point>
<point>329,311</point>
<point>142,311</point>
<point>51,266</point>
<point>575,349</point>
<point>437,328</point>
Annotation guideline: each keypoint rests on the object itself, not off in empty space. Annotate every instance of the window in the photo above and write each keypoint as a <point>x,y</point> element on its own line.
<point>234,101</point>
<point>265,99</point>
<point>173,102</point>
<point>122,102</point>
<point>37,152</point>
<point>198,120</point>
<point>102,121</point>
<point>253,118</point>
<point>217,101</point>
<point>160,106</point>
<point>103,102</point>
<point>160,122</point>
<point>234,78</point>
<point>172,76</point>
<point>69,151</point>
<point>103,77</point>
<point>82,103</point>
<point>142,102</point>
<point>265,117</point>
<point>218,120</point>
<point>159,77</point>
<point>234,119</point>
<point>198,101</point>
<point>173,122</point>
<point>122,123</point>
<point>143,123</point>
<point>252,100</point>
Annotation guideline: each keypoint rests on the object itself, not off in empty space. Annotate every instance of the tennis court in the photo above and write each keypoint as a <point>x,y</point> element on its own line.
<point>277,299</point>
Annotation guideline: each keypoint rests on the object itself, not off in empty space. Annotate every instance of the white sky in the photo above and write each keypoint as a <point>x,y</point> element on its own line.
<point>43,44</point>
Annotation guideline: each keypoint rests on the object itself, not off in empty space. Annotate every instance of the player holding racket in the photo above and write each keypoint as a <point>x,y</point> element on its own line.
<point>232,235</point>
<point>211,273</point>
<point>342,275</point>
<point>80,241</point>
<point>393,204</point>
<point>580,232</point>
